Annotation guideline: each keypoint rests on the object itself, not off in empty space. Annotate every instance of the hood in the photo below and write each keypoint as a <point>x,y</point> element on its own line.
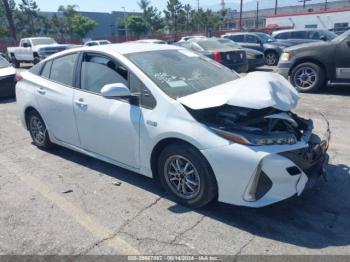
<point>53,46</point>
<point>312,45</point>
<point>7,71</point>
<point>257,90</point>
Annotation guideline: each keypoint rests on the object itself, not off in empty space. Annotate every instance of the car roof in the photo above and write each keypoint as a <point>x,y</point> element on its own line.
<point>123,48</point>
<point>297,30</point>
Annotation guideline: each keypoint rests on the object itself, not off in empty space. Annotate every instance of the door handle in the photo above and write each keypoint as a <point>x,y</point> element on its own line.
<point>80,102</point>
<point>41,91</point>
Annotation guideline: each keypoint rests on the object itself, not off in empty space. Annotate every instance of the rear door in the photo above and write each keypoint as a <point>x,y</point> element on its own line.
<point>54,96</point>
<point>107,127</point>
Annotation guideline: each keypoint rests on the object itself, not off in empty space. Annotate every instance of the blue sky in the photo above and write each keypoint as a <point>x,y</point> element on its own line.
<point>131,5</point>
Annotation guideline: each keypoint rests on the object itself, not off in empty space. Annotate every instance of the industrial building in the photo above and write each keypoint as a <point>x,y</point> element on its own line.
<point>298,14</point>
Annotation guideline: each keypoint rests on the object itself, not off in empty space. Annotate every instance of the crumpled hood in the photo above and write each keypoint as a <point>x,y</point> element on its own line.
<point>257,90</point>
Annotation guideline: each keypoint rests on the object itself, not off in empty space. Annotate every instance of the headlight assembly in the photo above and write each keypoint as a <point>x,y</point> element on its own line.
<point>278,138</point>
<point>285,57</point>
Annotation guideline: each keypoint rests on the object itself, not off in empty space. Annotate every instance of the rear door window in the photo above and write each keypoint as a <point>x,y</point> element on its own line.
<point>298,35</point>
<point>282,35</point>
<point>46,70</point>
<point>237,38</point>
<point>63,68</point>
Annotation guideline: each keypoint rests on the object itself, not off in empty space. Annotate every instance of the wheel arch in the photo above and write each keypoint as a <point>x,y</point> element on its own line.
<point>26,114</point>
<point>160,146</point>
<point>309,60</point>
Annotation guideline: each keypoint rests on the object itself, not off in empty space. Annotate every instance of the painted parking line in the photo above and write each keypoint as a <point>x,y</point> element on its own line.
<point>99,231</point>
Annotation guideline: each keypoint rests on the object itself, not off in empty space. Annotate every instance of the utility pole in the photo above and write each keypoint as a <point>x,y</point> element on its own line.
<point>276,6</point>
<point>197,5</point>
<point>325,5</point>
<point>304,2</point>
<point>125,29</point>
<point>257,15</point>
<point>240,16</point>
<point>9,17</point>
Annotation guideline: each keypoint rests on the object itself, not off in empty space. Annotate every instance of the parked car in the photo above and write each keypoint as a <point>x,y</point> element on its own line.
<point>97,42</point>
<point>299,36</point>
<point>255,58</point>
<point>262,42</point>
<point>233,58</point>
<point>169,113</point>
<point>32,50</point>
<point>189,37</point>
<point>311,66</point>
<point>152,41</point>
<point>7,78</point>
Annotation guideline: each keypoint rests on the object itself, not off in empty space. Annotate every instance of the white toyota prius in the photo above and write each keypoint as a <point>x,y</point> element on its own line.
<point>168,113</point>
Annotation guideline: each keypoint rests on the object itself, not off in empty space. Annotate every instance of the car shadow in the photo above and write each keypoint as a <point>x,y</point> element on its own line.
<point>7,100</point>
<point>317,219</point>
<point>335,90</point>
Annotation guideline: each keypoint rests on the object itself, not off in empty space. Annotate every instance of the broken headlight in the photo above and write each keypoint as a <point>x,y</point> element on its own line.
<point>276,138</point>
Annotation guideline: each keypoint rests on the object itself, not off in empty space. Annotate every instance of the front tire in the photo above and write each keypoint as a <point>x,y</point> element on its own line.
<point>38,131</point>
<point>15,62</point>
<point>307,77</point>
<point>271,58</point>
<point>187,176</point>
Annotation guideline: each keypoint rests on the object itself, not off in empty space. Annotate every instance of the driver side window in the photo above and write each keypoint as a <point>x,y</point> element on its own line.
<point>98,70</point>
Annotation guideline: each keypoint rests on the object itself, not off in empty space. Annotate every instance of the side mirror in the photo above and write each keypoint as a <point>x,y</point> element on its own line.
<point>115,90</point>
<point>323,38</point>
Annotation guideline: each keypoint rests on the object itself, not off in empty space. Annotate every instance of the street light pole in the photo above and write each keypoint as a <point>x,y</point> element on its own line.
<point>276,5</point>
<point>325,5</point>
<point>240,16</point>
<point>257,15</point>
<point>125,29</point>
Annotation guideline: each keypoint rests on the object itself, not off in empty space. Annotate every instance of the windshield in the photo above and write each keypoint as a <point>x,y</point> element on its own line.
<point>265,38</point>
<point>328,34</point>
<point>43,41</point>
<point>229,43</point>
<point>4,63</point>
<point>180,73</point>
<point>342,37</point>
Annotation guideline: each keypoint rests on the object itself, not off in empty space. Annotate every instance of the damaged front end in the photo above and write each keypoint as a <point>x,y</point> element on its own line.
<point>254,127</point>
<point>298,156</point>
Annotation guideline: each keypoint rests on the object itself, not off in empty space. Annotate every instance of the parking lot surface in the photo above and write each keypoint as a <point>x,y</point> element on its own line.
<point>63,202</point>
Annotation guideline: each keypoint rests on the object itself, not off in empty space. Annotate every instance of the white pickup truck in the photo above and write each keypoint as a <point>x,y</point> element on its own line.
<point>34,49</point>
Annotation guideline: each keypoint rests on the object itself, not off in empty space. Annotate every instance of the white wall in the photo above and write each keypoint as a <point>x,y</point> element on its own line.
<point>324,21</point>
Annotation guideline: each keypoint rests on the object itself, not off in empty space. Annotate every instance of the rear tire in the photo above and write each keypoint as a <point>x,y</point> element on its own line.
<point>186,175</point>
<point>38,130</point>
<point>307,77</point>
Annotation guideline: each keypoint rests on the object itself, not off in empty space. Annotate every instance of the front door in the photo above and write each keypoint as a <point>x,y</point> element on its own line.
<point>342,61</point>
<point>253,42</point>
<point>107,127</point>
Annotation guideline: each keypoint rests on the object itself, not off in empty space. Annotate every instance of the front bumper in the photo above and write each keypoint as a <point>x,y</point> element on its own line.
<point>260,176</point>
<point>284,69</point>
<point>256,62</point>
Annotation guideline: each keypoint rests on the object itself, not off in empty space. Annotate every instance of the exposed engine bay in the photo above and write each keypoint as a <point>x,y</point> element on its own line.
<point>265,126</point>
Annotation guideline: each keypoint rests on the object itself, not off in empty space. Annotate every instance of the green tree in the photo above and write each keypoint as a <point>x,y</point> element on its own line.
<point>151,16</point>
<point>136,25</point>
<point>81,25</point>
<point>28,19</point>
<point>173,13</point>
<point>7,26</point>
<point>66,21</point>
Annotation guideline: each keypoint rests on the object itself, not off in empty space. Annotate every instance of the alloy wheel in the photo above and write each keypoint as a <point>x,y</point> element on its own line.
<point>305,78</point>
<point>182,177</point>
<point>38,130</point>
<point>271,59</point>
